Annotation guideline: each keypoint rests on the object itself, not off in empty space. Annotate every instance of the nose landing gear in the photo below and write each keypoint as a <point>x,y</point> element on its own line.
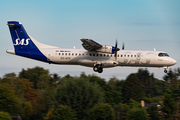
<point>165,71</point>
<point>98,68</point>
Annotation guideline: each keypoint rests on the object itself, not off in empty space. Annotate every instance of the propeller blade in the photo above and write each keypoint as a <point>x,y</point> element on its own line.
<point>116,48</point>
<point>123,46</point>
<point>115,51</point>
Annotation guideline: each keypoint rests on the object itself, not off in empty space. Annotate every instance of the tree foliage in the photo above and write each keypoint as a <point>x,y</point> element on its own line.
<point>34,75</point>
<point>4,116</point>
<point>62,112</point>
<point>80,94</point>
<point>172,77</point>
<point>27,111</point>
<point>121,111</point>
<point>132,89</point>
<point>152,110</point>
<point>102,111</point>
<point>36,94</point>
<point>9,102</point>
<point>112,97</point>
<point>137,114</point>
<point>169,105</point>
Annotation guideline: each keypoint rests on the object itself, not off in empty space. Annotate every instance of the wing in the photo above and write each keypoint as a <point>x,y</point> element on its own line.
<point>90,45</point>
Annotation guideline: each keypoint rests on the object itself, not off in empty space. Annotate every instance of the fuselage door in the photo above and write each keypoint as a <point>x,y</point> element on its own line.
<point>49,56</point>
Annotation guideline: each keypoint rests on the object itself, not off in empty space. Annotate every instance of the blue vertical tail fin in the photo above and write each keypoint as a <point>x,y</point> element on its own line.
<point>24,44</point>
<point>21,40</point>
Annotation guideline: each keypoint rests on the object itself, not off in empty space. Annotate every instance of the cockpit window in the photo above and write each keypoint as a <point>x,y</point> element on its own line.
<point>163,54</point>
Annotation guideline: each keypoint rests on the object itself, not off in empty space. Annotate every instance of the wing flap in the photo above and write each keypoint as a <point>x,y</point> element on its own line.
<point>90,45</point>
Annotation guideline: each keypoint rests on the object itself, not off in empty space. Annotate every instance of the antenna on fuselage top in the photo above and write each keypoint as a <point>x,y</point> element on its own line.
<point>74,47</point>
<point>154,49</point>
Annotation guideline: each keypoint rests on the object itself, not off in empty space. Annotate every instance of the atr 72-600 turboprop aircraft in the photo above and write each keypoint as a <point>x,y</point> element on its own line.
<point>93,55</point>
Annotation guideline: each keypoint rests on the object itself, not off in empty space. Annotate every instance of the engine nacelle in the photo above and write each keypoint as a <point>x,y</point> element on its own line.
<point>106,49</point>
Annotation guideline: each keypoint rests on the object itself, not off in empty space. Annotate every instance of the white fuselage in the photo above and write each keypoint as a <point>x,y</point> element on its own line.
<point>124,58</point>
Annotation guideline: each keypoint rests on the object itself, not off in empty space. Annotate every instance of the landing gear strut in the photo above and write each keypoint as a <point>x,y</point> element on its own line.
<point>165,70</point>
<point>98,68</point>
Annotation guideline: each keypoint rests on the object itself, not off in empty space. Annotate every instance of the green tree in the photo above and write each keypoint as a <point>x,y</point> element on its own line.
<point>27,111</point>
<point>34,75</point>
<point>39,88</point>
<point>9,102</point>
<point>116,84</point>
<point>176,94</point>
<point>169,105</point>
<point>147,82</point>
<point>111,96</point>
<point>133,103</point>
<point>132,89</point>
<point>137,114</point>
<point>80,94</point>
<point>5,116</point>
<point>62,112</point>
<point>152,110</point>
<point>172,78</point>
<point>102,111</point>
<point>121,111</point>
<point>12,81</point>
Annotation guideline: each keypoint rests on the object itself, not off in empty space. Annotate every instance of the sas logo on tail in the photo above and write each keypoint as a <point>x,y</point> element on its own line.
<point>22,42</point>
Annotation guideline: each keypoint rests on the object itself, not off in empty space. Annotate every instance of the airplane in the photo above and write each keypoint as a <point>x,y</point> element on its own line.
<point>93,55</point>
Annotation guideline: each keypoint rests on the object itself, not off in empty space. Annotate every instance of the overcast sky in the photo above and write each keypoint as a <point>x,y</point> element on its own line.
<point>140,24</point>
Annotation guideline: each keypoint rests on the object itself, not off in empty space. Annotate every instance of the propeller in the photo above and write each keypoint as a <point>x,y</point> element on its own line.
<point>123,46</point>
<point>115,50</point>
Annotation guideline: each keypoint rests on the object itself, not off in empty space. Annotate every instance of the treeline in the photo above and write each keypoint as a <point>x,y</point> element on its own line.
<point>35,94</point>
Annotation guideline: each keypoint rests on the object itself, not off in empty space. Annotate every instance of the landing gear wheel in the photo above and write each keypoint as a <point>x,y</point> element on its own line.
<point>95,68</point>
<point>100,70</point>
<point>165,70</point>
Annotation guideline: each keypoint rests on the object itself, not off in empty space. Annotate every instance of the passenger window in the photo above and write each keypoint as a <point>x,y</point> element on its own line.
<point>62,53</point>
<point>134,55</point>
<point>89,54</point>
<point>66,54</point>
<point>69,53</point>
<point>104,55</point>
<point>79,54</point>
<point>100,54</point>
<point>128,55</point>
<point>76,54</point>
<point>97,55</point>
<point>121,55</point>
<point>93,54</point>
<point>131,55</point>
<point>82,54</point>
<point>107,55</point>
<point>59,53</point>
<point>124,55</point>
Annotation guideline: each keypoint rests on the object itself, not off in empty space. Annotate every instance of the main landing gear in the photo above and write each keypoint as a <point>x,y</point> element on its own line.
<point>98,68</point>
<point>165,71</point>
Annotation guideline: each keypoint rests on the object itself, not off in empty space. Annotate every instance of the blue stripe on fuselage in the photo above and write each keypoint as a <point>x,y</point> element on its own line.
<point>33,53</point>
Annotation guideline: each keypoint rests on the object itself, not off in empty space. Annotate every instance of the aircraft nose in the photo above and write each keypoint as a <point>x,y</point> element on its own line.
<point>173,61</point>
